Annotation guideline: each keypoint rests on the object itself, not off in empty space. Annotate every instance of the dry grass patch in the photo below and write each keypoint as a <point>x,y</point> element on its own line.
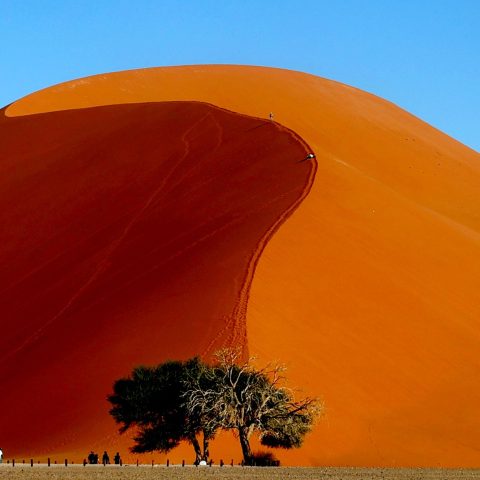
<point>229,473</point>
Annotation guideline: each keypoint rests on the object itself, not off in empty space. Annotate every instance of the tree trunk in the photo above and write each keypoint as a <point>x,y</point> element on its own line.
<point>206,452</point>
<point>196,447</point>
<point>243,434</point>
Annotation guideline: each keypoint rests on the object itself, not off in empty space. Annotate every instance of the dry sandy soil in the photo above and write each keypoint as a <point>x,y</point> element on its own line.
<point>291,473</point>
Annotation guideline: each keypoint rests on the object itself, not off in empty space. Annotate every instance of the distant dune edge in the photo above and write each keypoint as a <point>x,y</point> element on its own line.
<point>160,213</point>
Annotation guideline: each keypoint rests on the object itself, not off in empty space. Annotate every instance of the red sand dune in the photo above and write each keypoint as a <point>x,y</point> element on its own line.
<point>119,247</point>
<point>132,234</point>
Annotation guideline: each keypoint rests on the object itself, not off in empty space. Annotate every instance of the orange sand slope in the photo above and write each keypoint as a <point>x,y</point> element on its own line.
<point>369,291</point>
<point>130,233</point>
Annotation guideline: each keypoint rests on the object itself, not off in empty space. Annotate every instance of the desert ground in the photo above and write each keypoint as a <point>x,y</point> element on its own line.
<point>79,472</point>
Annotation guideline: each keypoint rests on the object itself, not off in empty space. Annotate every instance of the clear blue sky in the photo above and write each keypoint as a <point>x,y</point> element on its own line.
<point>423,55</point>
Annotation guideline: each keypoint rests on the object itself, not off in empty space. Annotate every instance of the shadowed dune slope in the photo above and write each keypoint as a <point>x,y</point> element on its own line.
<point>129,235</point>
<point>369,291</point>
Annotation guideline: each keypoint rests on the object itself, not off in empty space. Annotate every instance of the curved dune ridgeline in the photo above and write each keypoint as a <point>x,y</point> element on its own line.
<point>369,291</point>
<point>129,236</point>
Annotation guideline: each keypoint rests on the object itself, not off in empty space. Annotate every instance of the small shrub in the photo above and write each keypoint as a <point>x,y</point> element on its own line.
<point>265,459</point>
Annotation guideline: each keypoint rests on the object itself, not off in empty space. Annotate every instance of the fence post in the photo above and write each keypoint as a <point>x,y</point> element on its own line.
<point>231,463</point>
<point>48,461</point>
<point>13,462</point>
<point>168,462</point>
<point>66,462</point>
<point>152,463</point>
<point>137,462</point>
<point>221,463</point>
<point>31,462</point>
<point>183,463</point>
<point>211,461</point>
<point>84,462</point>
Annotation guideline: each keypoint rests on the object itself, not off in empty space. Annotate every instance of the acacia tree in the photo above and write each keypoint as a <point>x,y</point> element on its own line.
<point>240,398</point>
<point>151,401</point>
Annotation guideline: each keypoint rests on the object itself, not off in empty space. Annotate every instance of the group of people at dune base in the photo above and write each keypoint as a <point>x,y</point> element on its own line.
<point>93,458</point>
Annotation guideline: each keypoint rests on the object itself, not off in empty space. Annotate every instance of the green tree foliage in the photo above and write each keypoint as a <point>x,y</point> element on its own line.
<point>151,401</point>
<point>188,401</point>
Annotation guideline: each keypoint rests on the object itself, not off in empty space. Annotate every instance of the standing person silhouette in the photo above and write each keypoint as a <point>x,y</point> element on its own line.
<point>117,459</point>
<point>105,458</point>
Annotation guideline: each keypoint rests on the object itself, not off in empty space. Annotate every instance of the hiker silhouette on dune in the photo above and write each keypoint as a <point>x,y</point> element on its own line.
<point>92,458</point>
